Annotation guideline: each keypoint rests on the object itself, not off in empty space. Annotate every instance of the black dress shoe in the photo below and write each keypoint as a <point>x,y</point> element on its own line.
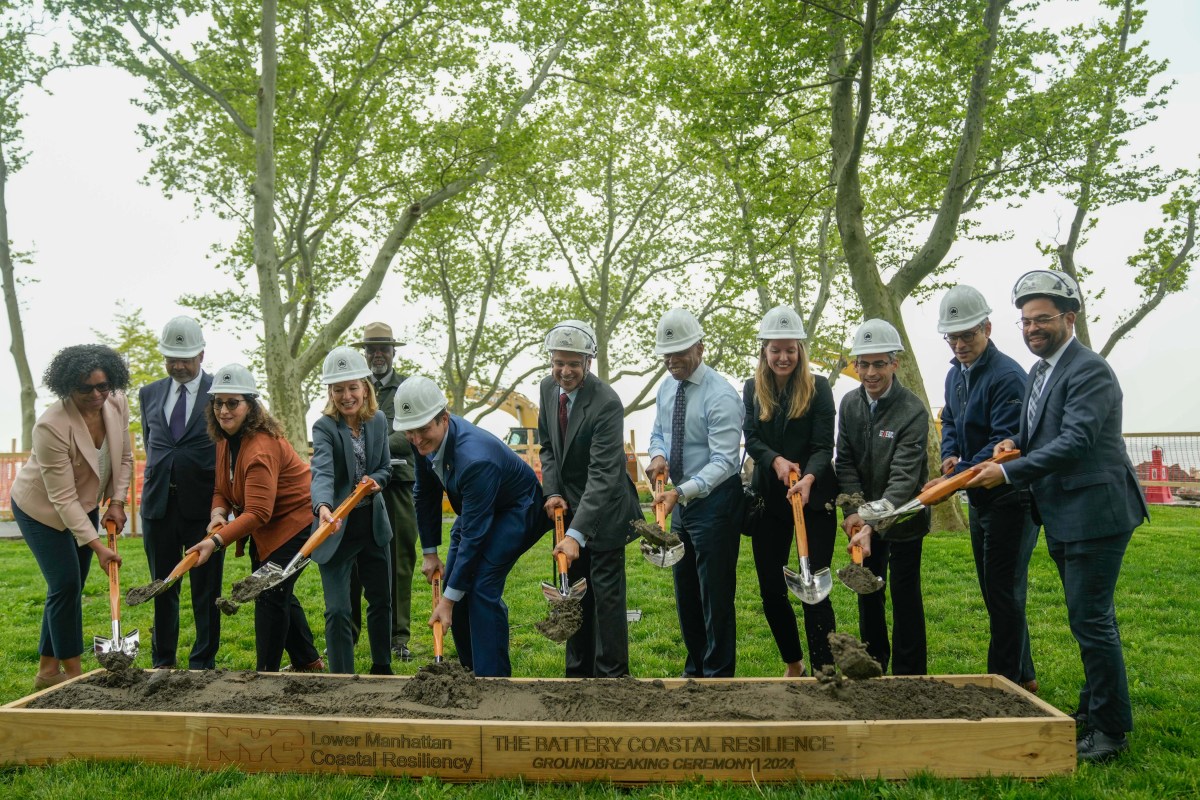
<point>381,669</point>
<point>1097,747</point>
<point>400,650</point>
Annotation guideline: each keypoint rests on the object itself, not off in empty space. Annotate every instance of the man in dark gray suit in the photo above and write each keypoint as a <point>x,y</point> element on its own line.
<point>1085,494</point>
<point>177,493</point>
<point>581,428</point>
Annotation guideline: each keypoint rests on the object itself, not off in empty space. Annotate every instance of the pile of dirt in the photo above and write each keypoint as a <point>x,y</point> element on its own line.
<point>447,692</point>
<point>444,685</point>
<point>655,535</point>
<point>563,619</point>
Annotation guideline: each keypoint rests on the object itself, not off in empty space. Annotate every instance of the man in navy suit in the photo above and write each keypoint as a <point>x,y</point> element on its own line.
<point>1085,494</point>
<point>177,493</point>
<point>499,504</point>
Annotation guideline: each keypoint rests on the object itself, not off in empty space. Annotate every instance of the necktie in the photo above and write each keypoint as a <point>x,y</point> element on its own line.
<point>874,405</point>
<point>563,399</point>
<point>179,413</point>
<point>678,417</point>
<point>1039,380</point>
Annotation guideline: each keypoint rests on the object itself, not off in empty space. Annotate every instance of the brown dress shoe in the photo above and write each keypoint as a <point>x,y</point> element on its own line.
<point>316,666</point>
<point>1030,686</point>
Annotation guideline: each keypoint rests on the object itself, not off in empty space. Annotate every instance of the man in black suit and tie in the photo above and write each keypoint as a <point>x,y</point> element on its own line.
<point>177,492</point>
<point>1085,494</point>
<point>581,427</point>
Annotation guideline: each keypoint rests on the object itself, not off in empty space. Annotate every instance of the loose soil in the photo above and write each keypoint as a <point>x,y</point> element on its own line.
<point>140,594</point>
<point>851,657</point>
<point>447,692</point>
<point>228,607</point>
<point>563,619</point>
<point>655,535</point>
<point>115,660</point>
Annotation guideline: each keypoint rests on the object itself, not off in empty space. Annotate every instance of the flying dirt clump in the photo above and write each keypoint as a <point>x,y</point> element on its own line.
<point>852,658</point>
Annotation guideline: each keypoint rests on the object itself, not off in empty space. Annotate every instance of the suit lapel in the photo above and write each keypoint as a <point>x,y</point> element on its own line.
<point>1060,369</point>
<point>202,397</point>
<point>575,419</point>
<point>83,439</point>
<point>115,433</point>
<point>347,449</point>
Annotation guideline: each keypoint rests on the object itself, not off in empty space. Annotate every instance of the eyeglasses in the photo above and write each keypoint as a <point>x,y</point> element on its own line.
<point>863,366</point>
<point>966,338</point>
<point>1038,322</point>
<point>88,388</point>
<point>218,404</point>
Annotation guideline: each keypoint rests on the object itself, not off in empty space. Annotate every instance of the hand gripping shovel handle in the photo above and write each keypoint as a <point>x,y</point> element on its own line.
<point>937,494</point>
<point>856,555</point>
<point>340,513</point>
<point>560,558</point>
<point>438,633</point>
<point>660,509</point>
<point>798,517</point>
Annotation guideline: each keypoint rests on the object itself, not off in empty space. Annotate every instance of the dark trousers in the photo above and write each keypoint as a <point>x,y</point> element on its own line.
<point>480,621</point>
<point>279,620</point>
<point>165,541</point>
<point>402,514</point>
<point>706,578</point>
<point>600,648</point>
<point>1089,571</point>
<point>1003,536</point>
<point>65,567</point>
<point>906,652</point>
<point>358,548</point>
<point>773,544</point>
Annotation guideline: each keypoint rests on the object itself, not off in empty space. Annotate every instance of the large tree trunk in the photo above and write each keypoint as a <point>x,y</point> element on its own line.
<point>24,375</point>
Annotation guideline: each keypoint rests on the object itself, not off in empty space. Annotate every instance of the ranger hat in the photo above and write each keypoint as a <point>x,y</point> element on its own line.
<point>378,333</point>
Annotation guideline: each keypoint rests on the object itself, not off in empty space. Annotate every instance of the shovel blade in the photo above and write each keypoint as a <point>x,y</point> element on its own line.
<point>663,556</point>
<point>556,595</point>
<point>127,644</point>
<point>810,589</point>
<point>881,513</point>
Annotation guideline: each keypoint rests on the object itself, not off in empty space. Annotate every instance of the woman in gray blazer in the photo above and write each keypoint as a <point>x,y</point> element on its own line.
<point>350,442</point>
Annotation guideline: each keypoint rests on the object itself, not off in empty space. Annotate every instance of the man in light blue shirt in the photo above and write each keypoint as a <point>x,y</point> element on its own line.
<point>694,443</point>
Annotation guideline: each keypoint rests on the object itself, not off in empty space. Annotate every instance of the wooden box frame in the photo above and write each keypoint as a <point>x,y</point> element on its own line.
<point>629,753</point>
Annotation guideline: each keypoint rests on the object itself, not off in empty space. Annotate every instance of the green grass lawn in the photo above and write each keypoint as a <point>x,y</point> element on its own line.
<point>1158,605</point>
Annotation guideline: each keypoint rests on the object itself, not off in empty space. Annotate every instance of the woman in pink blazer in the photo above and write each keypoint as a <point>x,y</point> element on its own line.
<point>81,456</point>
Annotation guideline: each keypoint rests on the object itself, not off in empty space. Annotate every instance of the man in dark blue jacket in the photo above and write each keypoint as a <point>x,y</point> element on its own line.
<point>177,493</point>
<point>499,504</point>
<point>984,388</point>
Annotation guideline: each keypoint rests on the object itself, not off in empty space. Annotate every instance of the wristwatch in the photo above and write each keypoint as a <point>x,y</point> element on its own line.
<point>218,543</point>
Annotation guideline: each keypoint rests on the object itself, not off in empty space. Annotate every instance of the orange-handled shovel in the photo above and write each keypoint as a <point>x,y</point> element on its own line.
<point>119,651</point>
<point>564,590</point>
<point>438,633</point>
<point>811,587</point>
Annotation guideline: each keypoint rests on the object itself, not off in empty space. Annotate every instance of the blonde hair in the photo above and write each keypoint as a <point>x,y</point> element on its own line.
<point>365,412</point>
<point>800,382</point>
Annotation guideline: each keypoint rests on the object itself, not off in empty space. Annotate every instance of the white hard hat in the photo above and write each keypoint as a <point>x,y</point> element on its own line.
<point>234,379</point>
<point>181,338</point>
<point>573,335</point>
<point>344,364</point>
<point>963,307</point>
<point>1049,283</point>
<point>677,331</point>
<point>418,400</point>
<point>876,336</point>
<point>781,322</point>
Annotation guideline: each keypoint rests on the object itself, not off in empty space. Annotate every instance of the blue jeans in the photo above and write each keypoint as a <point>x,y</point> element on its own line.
<point>65,566</point>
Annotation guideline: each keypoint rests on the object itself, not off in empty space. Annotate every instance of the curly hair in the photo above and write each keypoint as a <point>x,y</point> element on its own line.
<point>74,364</point>
<point>258,420</point>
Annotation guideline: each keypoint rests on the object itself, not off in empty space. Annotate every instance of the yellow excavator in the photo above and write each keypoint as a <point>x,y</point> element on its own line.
<point>522,437</point>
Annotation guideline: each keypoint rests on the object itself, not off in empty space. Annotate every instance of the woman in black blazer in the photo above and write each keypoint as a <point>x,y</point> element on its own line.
<point>789,427</point>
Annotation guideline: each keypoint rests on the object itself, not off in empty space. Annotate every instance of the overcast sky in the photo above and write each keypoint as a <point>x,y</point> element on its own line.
<point>99,237</point>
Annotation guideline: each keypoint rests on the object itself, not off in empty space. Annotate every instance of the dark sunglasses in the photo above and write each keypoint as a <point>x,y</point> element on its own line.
<point>88,388</point>
<point>218,404</point>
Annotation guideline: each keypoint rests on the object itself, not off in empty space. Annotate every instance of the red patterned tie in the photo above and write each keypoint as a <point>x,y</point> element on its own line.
<point>563,399</point>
